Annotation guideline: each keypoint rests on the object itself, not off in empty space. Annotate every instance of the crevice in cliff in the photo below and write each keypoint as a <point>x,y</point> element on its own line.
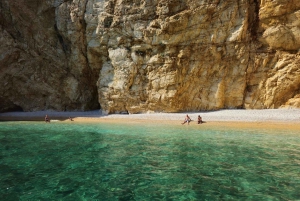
<point>253,28</point>
<point>91,77</point>
<point>253,19</point>
<point>84,40</point>
<point>64,44</point>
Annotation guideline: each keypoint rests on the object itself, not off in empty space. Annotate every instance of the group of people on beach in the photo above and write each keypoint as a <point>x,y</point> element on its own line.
<point>188,120</point>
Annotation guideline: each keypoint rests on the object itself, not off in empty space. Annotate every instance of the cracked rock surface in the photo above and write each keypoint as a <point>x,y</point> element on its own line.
<point>137,56</point>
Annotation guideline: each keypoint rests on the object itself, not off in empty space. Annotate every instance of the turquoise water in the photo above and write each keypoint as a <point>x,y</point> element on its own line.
<point>66,161</point>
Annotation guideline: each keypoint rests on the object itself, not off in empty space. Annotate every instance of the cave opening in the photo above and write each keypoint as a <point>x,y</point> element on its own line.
<point>13,108</point>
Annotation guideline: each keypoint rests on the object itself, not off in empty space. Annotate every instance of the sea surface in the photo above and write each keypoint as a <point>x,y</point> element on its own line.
<point>110,162</point>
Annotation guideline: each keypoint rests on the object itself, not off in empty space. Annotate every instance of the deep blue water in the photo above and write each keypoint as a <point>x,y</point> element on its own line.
<point>66,161</point>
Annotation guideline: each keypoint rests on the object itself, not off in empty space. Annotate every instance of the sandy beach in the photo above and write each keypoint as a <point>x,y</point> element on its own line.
<point>268,118</point>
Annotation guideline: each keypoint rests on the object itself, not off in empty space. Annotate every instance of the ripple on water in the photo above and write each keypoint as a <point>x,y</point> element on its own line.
<point>145,162</point>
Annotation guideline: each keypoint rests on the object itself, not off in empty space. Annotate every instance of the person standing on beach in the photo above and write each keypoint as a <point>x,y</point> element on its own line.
<point>47,120</point>
<point>187,120</point>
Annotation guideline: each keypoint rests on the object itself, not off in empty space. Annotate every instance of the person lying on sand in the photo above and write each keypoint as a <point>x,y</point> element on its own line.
<point>187,120</point>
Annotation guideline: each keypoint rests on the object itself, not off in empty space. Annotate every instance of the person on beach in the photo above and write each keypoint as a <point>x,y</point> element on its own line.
<point>200,119</point>
<point>187,120</point>
<point>47,120</point>
<point>70,118</point>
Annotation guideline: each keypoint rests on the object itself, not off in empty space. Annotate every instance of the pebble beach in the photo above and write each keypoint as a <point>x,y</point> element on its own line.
<point>238,115</point>
<point>281,118</point>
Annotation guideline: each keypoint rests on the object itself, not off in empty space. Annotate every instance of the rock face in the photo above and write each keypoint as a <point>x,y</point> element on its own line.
<point>140,56</point>
<point>43,57</point>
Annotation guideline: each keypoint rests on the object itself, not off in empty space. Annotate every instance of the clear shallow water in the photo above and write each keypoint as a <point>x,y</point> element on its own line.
<point>65,161</point>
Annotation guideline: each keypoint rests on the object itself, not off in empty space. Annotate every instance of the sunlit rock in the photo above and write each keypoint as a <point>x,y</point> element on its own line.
<point>149,56</point>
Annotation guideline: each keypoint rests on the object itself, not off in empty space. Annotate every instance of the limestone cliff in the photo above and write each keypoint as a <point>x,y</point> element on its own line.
<point>149,55</point>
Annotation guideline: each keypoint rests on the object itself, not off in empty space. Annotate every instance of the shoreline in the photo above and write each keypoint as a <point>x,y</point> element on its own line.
<point>239,118</point>
<point>233,115</point>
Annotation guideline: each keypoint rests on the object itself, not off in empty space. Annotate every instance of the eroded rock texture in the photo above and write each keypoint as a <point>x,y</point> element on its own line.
<point>149,55</point>
<point>43,56</point>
